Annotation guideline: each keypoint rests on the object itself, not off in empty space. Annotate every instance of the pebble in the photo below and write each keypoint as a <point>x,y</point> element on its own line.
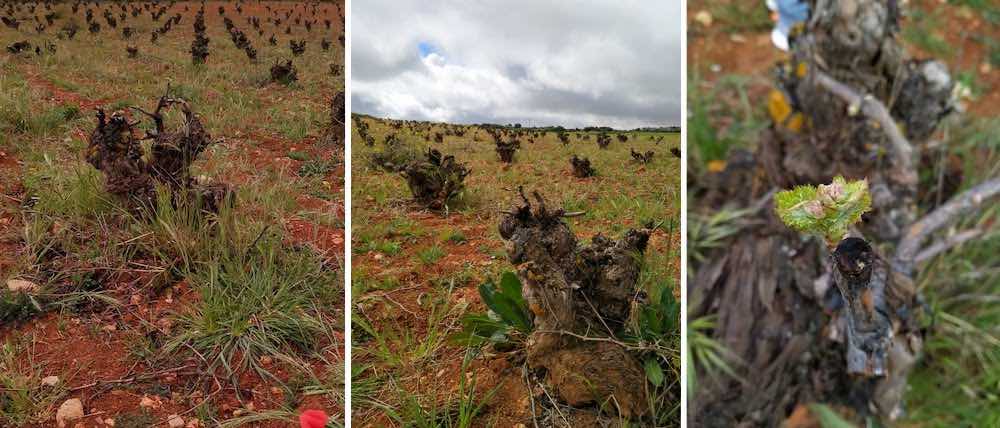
<point>148,402</point>
<point>20,285</point>
<point>50,380</point>
<point>69,411</point>
<point>175,421</point>
<point>704,18</point>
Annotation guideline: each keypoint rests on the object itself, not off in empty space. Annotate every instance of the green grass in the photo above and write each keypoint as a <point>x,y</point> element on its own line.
<point>17,115</point>
<point>739,17</point>
<point>407,347</point>
<point>725,101</point>
<point>258,297</point>
<point>299,156</point>
<point>23,399</point>
<point>315,168</point>
<point>922,33</point>
<point>461,410</point>
<point>455,237</point>
<point>17,306</point>
<point>986,8</point>
<point>705,354</point>
<point>955,383</point>
<point>431,255</point>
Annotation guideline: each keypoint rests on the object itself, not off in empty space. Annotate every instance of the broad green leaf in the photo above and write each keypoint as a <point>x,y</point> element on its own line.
<point>653,371</point>
<point>510,286</point>
<point>505,307</point>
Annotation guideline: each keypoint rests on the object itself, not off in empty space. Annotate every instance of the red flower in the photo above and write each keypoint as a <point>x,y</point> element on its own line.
<point>313,419</point>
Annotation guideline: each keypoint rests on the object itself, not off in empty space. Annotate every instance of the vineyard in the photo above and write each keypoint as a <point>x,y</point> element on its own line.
<point>462,234</point>
<point>171,213</point>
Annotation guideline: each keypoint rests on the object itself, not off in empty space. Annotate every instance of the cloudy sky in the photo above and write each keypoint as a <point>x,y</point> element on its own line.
<point>572,63</point>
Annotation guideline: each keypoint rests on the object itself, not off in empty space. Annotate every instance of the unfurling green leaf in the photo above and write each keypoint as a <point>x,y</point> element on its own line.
<point>827,211</point>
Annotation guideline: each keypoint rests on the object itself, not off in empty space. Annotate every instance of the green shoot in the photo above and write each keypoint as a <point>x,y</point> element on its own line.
<point>827,211</point>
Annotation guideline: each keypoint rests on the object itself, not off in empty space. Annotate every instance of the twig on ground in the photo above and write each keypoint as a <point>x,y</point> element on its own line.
<point>131,378</point>
<point>531,395</point>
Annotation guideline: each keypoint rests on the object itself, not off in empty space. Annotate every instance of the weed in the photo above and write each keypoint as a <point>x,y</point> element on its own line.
<point>299,156</point>
<point>711,141</point>
<point>23,398</point>
<point>704,354</point>
<point>17,306</point>
<point>508,314</point>
<point>455,237</point>
<point>315,167</point>
<point>431,255</point>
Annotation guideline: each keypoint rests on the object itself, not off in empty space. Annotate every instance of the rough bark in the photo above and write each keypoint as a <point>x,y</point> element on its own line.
<point>581,298</point>
<point>581,167</point>
<point>133,174</point>
<point>284,72</point>
<point>435,180</point>
<point>603,141</point>
<point>642,158</point>
<point>506,149</point>
<point>338,119</point>
<point>199,47</point>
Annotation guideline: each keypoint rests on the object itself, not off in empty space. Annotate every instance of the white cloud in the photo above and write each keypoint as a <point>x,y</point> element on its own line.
<point>570,63</point>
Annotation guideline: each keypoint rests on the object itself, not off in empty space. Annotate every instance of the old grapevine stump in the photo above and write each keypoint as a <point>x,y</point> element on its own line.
<point>581,298</point>
<point>805,322</point>
<point>436,179</point>
<point>133,174</point>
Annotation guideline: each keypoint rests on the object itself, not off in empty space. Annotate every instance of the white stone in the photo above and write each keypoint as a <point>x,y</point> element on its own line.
<point>704,18</point>
<point>50,380</point>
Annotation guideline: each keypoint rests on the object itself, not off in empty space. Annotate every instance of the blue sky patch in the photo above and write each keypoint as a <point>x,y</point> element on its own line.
<point>426,48</point>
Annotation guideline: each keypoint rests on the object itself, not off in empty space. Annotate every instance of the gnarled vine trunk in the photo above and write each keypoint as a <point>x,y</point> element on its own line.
<point>809,323</point>
<point>576,294</point>
<point>132,174</point>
